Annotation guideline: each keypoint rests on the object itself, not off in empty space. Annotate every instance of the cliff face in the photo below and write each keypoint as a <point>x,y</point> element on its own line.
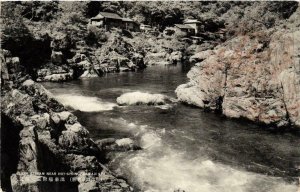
<point>254,75</point>
<point>39,135</point>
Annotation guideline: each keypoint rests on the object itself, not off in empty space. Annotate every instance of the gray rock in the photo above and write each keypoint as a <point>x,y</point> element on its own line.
<point>260,87</point>
<point>111,144</point>
<point>57,57</point>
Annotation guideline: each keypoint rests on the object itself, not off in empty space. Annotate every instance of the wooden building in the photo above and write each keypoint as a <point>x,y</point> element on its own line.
<point>195,24</point>
<point>107,20</point>
<point>112,20</point>
<point>130,25</point>
<point>190,31</point>
<point>146,28</point>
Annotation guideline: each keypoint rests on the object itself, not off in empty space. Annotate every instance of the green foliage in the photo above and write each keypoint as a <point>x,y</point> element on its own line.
<point>71,22</point>
<point>39,10</point>
<point>23,23</point>
<point>110,6</point>
<point>67,7</point>
<point>93,8</point>
<point>175,33</point>
<point>95,36</point>
<point>159,14</point>
<point>283,9</point>
<point>14,33</point>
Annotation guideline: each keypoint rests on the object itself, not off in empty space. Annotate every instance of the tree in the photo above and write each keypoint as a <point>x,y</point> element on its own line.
<point>14,33</point>
<point>17,38</point>
<point>93,8</point>
<point>39,11</point>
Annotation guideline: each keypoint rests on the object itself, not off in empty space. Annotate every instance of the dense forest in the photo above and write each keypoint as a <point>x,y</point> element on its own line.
<point>29,27</point>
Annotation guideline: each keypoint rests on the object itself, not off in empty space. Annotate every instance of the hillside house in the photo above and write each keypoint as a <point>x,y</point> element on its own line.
<point>109,20</point>
<point>145,28</point>
<point>130,25</point>
<point>190,31</point>
<point>195,24</point>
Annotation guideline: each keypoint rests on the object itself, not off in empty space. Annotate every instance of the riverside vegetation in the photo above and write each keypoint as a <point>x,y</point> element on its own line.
<point>251,71</point>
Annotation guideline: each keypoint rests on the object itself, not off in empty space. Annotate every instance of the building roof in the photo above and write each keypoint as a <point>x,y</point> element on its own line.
<point>182,26</point>
<point>168,29</point>
<point>107,15</point>
<point>195,37</point>
<point>127,20</point>
<point>143,25</point>
<point>191,21</point>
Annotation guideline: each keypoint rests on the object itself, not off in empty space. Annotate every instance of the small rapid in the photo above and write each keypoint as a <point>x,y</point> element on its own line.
<point>84,103</point>
<point>161,168</point>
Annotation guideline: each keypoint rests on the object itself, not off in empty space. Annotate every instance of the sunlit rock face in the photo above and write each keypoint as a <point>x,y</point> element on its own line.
<point>255,76</point>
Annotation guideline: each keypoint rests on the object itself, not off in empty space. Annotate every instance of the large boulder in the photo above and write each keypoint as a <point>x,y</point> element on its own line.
<point>244,79</point>
<point>112,144</point>
<point>58,77</point>
<point>55,73</point>
<point>140,98</point>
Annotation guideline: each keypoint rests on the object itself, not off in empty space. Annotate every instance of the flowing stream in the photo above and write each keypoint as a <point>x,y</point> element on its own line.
<point>184,148</point>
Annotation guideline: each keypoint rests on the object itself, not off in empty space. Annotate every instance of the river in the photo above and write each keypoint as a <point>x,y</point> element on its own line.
<point>184,148</point>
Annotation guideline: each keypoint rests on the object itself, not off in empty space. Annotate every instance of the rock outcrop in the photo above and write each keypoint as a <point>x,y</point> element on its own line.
<point>112,144</point>
<point>254,76</point>
<point>160,58</point>
<point>140,98</point>
<point>45,138</point>
<point>163,58</point>
<point>55,73</point>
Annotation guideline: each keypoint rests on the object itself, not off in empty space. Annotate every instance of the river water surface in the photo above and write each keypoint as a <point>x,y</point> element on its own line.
<point>184,148</point>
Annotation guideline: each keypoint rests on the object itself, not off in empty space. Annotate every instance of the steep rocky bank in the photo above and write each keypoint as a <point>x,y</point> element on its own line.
<point>39,136</point>
<point>255,75</point>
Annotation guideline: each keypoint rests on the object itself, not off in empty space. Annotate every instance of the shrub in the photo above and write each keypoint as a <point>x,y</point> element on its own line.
<point>95,36</point>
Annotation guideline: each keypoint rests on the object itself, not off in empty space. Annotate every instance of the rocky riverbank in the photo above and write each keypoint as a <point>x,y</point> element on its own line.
<point>118,53</point>
<point>62,45</point>
<point>249,69</point>
<point>39,136</point>
<point>254,75</point>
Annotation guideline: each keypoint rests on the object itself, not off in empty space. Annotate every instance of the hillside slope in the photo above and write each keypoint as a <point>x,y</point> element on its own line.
<point>255,75</point>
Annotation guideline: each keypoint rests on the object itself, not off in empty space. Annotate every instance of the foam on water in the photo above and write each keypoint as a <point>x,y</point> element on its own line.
<point>132,127</point>
<point>149,140</point>
<point>84,103</point>
<point>168,170</point>
<point>164,107</point>
<point>160,168</point>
